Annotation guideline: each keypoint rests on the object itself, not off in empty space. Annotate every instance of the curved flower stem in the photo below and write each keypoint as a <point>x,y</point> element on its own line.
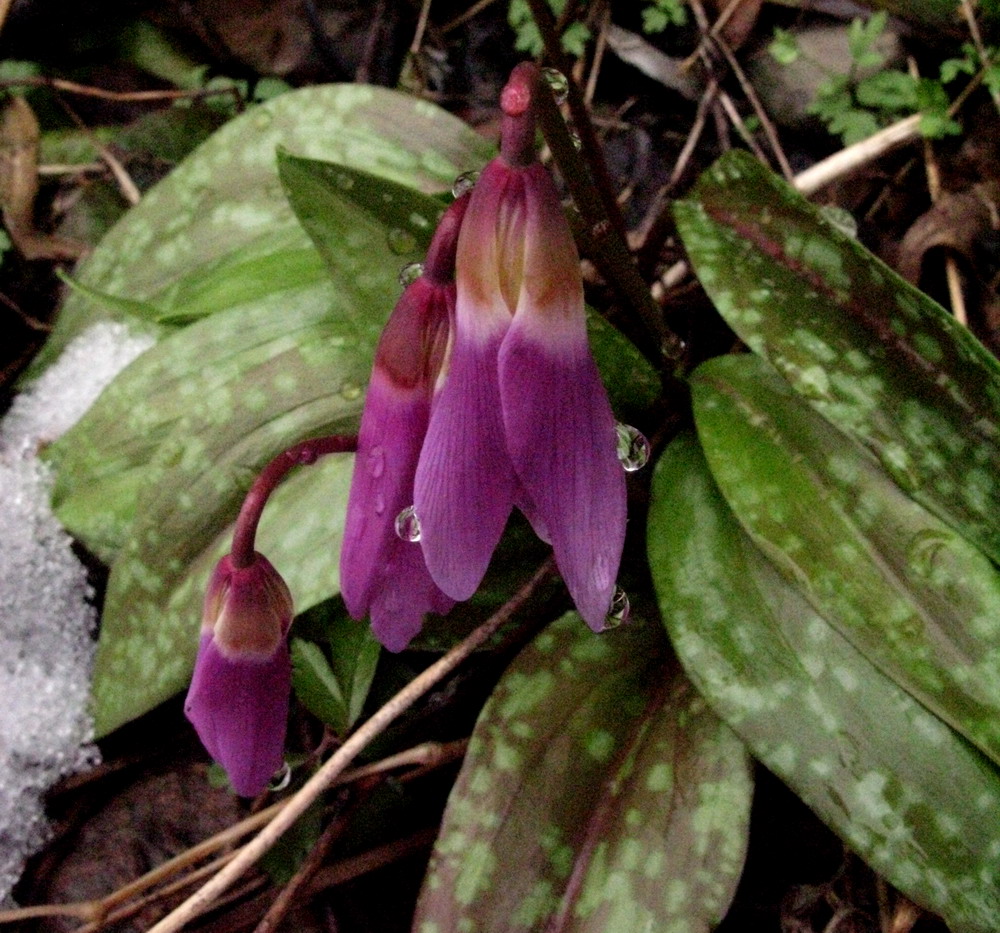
<point>304,452</point>
<point>328,773</point>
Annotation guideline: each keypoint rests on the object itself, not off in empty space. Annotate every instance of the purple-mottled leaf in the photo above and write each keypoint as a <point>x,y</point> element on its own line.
<point>876,356</point>
<point>599,795</point>
<point>919,602</point>
<point>904,790</point>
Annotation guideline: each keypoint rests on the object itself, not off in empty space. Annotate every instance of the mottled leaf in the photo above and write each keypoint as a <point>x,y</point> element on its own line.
<point>404,216</point>
<point>915,598</point>
<point>876,356</point>
<point>911,796</point>
<point>234,368</point>
<point>598,794</point>
<point>225,199</point>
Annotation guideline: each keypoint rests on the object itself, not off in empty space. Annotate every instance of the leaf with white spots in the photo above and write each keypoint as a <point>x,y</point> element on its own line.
<point>599,795</point>
<point>192,490</point>
<point>914,597</point>
<point>904,790</point>
<point>213,227</point>
<point>876,356</point>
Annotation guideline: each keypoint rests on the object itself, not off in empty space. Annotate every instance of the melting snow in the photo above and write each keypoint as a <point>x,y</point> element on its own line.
<point>46,620</point>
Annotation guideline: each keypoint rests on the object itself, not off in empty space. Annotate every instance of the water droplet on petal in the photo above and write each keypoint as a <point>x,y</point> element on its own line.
<point>464,183</point>
<point>282,777</point>
<point>410,273</point>
<point>633,447</point>
<point>379,503</point>
<point>618,610</point>
<point>401,241</point>
<point>557,82</point>
<point>408,525</point>
<point>376,462</point>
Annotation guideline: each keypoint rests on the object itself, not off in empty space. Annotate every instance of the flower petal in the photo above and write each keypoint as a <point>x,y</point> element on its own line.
<point>463,491</point>
<point>392,431</point>
<point>393,424</point>
<point>561,438</point>
<point>239,708</point>
<point>405,595</point>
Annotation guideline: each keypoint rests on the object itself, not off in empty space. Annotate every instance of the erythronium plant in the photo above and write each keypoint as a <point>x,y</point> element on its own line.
<point>483,395</point>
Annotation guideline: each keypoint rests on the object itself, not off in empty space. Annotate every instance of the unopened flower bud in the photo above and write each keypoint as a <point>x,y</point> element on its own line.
<point>239,694</point>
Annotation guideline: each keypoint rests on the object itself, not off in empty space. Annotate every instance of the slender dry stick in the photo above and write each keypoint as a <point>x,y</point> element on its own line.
<point>328,773</point>
<point>758,108</point>
<point>473,10</point>
<point>421,757</point>
<point>86,90</point>
<point>977,41</point>
<point>952,276</point>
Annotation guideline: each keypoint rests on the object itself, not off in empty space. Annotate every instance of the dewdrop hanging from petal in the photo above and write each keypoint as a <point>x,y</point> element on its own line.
<point>522,417</point>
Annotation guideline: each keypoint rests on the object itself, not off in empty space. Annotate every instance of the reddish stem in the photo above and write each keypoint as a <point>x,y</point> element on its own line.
<point>518,101</point>
<point>305,452</point>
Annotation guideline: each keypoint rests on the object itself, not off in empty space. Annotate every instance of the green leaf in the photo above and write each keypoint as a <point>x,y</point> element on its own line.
<point>915,598</point>
<point>225,198</point>
<point>219,372</point>
<point>333,200</point>
<point>784,47</point>
<point>901,788</point>
<point>861,38</point>
<point>316,685</point>
<point>876,356</point>
<point>598,794</point>
<point>333,685</point>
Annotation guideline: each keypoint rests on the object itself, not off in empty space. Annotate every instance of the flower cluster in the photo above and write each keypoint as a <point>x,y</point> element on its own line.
<point>484,395</point>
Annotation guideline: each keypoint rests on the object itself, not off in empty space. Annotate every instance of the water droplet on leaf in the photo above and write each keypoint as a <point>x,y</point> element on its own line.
<point>282,778</point>
<point>350,391</point>
<point>465,182</point>
<point>345,181</point>
<point>557,82</point>
<point>618,610</point>
<point>410,273</point>
<point>401,241</point>
<point>408,525</point>
<point>633,447</point>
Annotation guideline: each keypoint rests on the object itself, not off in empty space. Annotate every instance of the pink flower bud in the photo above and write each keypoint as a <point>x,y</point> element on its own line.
<point>239,694</point>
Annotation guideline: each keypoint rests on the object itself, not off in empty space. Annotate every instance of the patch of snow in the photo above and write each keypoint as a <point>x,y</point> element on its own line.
<point>46,617</point>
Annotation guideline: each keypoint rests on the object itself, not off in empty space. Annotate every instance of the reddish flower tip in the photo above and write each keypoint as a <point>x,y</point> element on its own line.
<point>240,689</point>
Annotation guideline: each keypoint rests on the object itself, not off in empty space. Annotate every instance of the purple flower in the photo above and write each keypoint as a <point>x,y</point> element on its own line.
<point>381,574</point>
<point>522,418</point>
<point>239,694</point>
<point>484,395</point>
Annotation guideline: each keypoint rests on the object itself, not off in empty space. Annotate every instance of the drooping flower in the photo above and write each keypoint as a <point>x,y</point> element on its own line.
<point>381,574</point>
<point>522,417</point>
<point>239,694</point>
